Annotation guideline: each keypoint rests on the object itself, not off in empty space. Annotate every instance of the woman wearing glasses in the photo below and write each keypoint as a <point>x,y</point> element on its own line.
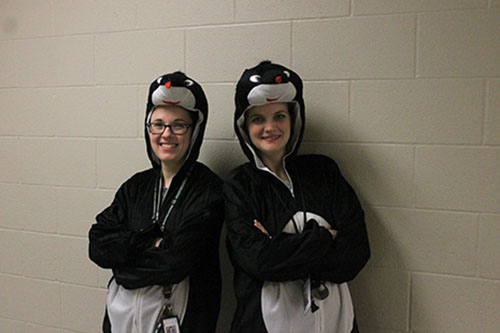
<point>160,236</point>
<point>296,230</point>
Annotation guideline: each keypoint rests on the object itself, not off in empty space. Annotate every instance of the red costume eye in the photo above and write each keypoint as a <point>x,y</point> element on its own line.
<point>168,84</point>
<point>278,79</point>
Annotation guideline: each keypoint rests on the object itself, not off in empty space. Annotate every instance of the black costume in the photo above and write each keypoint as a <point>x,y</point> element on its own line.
<point>277,278</point>
<point>187,258</point>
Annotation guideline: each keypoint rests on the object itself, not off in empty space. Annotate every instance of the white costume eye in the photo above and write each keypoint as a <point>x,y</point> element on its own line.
<point>159,80</point>
<point>255,78</point>
<point>189,83</point>
<point>287,73</point>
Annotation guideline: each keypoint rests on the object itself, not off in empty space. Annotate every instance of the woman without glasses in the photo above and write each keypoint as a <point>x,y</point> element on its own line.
<point>160,236</point>
<point>296,230</point>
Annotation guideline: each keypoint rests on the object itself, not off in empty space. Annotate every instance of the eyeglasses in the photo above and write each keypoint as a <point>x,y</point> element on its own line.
<point>175,128</point>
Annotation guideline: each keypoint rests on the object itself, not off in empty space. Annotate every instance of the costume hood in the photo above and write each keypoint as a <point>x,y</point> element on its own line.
<point>264,84</point>
<point>180,90</point>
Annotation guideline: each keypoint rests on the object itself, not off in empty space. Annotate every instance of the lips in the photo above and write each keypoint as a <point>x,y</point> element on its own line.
<point>171,103</point>
<point>168,146</point>
<point>271,138</point>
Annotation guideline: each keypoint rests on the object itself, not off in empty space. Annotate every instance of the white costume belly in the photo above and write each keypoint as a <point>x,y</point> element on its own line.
<point>136,310</point>
<point>286,305</point>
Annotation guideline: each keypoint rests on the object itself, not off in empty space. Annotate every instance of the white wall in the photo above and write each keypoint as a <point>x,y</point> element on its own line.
<point>404,94</point>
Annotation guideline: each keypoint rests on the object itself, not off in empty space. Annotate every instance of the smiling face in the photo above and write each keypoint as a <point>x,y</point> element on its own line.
<point>170,148</point>
<point>269,129</point>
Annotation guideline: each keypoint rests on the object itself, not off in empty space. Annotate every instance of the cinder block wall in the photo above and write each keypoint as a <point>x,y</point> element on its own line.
<point>405,95</point>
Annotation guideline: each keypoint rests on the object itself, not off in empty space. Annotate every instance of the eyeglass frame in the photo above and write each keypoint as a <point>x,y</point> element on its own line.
<point>169,126</point>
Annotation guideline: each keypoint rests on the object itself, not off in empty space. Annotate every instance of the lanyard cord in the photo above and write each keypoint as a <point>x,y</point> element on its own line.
<point>157,201</point>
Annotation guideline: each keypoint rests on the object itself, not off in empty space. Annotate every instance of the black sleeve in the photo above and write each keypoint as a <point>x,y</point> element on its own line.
<point>111,243</point>
<point>350,250</point>
<point>181,253</point>
<point>284,256</point>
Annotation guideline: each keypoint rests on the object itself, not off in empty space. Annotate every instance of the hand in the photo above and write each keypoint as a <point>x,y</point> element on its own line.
<point>259,226</point>
<point>333,232</point>
<point>158,242</point>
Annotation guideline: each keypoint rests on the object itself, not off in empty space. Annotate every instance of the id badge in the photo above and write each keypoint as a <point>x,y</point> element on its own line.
<point>171,325</point>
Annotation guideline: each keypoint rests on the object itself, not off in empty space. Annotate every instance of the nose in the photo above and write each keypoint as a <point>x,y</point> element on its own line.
<point>269,125</point>
<point>167,132</point>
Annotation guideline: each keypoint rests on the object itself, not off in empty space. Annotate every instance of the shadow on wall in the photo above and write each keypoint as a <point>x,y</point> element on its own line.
<point>10,26</point>
<point>380,285</point>
<point>380,295</point>
<point>228,300</point>
<point>222,157</point>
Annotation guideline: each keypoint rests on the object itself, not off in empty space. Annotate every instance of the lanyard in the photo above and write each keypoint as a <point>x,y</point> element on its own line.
<point>157,201</point>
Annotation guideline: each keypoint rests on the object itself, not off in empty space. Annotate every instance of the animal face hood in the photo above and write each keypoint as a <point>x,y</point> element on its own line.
<point>264,84</point>
<point>179,90</point>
